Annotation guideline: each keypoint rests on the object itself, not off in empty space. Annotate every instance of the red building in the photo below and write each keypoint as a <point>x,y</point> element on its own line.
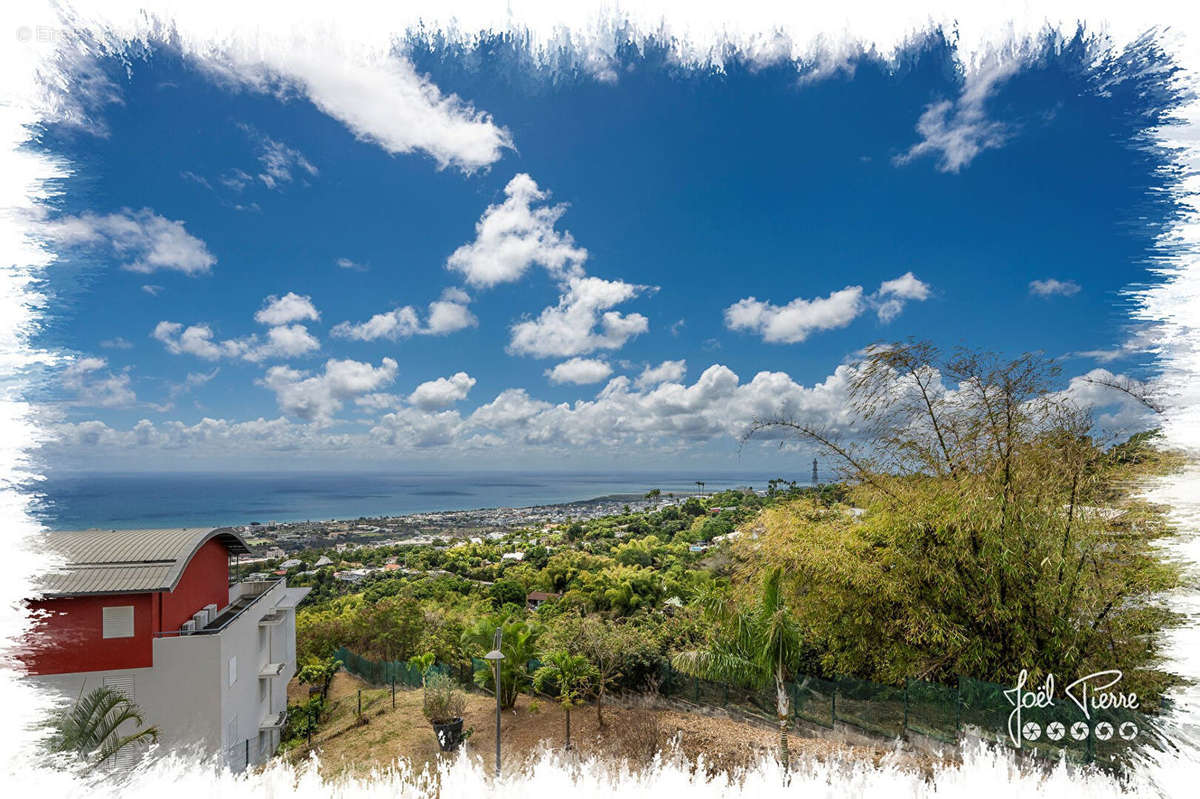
<point>153,614</point>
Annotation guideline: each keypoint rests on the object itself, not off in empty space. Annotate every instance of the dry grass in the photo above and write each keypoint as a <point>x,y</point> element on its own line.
<point>630,735</point>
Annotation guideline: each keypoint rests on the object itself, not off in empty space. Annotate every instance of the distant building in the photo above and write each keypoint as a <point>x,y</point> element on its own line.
<point>290,563</point>
<point>534,599</point>
<point>518,556</point>
<point>151,613</point>
<point>322,561</point>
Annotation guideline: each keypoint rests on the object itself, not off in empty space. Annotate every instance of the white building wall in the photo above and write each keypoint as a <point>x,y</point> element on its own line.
<point>188,695</point>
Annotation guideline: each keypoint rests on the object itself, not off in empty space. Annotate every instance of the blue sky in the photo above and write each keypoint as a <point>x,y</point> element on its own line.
<point>565,266</point>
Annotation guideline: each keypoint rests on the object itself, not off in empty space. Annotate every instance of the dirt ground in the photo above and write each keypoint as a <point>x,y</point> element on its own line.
<point>632,734</point>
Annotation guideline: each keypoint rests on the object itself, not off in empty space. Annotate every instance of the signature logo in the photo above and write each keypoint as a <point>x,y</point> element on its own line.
<point>1094,692</point>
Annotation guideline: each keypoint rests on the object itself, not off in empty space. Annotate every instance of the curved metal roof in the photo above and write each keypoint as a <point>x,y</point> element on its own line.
<point>128,561</point>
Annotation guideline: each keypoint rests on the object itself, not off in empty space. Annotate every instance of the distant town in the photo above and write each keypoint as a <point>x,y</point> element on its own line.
<point>274,541</point>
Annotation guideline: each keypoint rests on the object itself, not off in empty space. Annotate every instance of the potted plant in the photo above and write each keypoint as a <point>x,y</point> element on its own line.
<point>444,705</point>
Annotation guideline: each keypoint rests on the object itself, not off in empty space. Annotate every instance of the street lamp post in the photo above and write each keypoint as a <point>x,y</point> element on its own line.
<point>495,656</point>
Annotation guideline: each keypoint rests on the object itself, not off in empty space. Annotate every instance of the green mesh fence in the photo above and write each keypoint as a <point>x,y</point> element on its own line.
<point>870,706</point>
<point>383,672</point>
<point>935,710</point>
<point>931,709</point>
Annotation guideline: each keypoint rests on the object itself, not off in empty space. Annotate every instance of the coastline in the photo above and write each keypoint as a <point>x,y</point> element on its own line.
<point>149,501</point>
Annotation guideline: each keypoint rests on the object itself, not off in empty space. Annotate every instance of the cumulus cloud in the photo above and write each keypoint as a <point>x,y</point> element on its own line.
<point>317,398</point>
<point>441,393</point>
<point>146,241</point>
<point>284,341</point>
<point>446,315</point>
<point>515,235</point>
<point>95,386</point>
<point>665,372</point>
<point>581,322</point>
<point>800,318</point>
<point>1050,287</point>
<point>1116,410</point>
<point>671,415</point>
<point>291,307</point>
<point>956,131</point>
<point>117,343</point>
<point>346,263</point>
<point>893,294</point>
<point>580,371</point>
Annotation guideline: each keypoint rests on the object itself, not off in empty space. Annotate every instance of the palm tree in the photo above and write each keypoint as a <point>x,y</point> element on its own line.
<point>569,676</point>
<point>91,728</point>
<point>519,645</point>
<point>756,644</point>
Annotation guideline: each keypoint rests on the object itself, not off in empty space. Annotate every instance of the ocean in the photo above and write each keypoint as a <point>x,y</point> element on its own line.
<point>147,500</point>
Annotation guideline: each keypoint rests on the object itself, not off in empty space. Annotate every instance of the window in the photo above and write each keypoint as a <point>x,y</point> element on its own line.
<point>232,670</point>
<point>117,622</point>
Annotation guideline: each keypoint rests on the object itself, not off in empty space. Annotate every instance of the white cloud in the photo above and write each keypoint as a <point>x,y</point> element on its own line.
<point>580,371</point>
<point>441,393</point>
<point>800,318</point>
<point>1115,410</point>
<point>116,343</point>
<point>379,97</point>
<point>284,341</point>
<point>291,307</point>
<point>146,241</point>
<point>152,290</point>
<point>346,263</point>
<point>957,131</point>
<point>515,235</point>
<point>1051,286</point>
<point>890,299</point>
<point>581,322</point>
<point>193,340</point>
<point>446,315</point>
<point>316,398</point>
<point>665,372</point>
<point>95,386</point>
<point>279,161</point>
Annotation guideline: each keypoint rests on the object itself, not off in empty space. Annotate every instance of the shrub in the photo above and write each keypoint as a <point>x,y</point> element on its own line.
<point>443,701</point>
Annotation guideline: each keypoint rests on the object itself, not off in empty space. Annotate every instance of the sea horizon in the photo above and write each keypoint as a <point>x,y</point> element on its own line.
<point>143,500</point>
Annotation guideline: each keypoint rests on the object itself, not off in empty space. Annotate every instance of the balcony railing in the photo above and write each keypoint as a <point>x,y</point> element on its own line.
<point>243,596</point>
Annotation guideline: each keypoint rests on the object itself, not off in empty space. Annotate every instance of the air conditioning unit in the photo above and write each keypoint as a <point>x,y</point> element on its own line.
<point>188,627</point>
<point>211,610</point>
<point>201,618</point>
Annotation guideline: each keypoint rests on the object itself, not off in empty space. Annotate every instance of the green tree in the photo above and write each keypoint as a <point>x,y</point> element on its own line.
<point>756,643</point>
<point>567,677</point>
<point>519,645</point>
<point>507,592</point>
<point>319,671</point>
<point>92,727</point>
<point>995,530</point>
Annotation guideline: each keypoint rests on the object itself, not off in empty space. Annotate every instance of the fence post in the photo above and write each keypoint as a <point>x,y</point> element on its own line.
<point>958,707</point>
<point>393,692</point>
<point>247,753</point>
<point>360,703</point>
<point>906,682</point>
<point>833,703</point>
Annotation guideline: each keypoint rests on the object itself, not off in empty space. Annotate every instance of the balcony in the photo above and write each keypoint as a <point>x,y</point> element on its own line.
<point>242,597</point>
<point>271,670</point>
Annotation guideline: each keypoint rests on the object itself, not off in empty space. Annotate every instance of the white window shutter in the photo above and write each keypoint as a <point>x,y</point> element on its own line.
<point>117,621</point>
